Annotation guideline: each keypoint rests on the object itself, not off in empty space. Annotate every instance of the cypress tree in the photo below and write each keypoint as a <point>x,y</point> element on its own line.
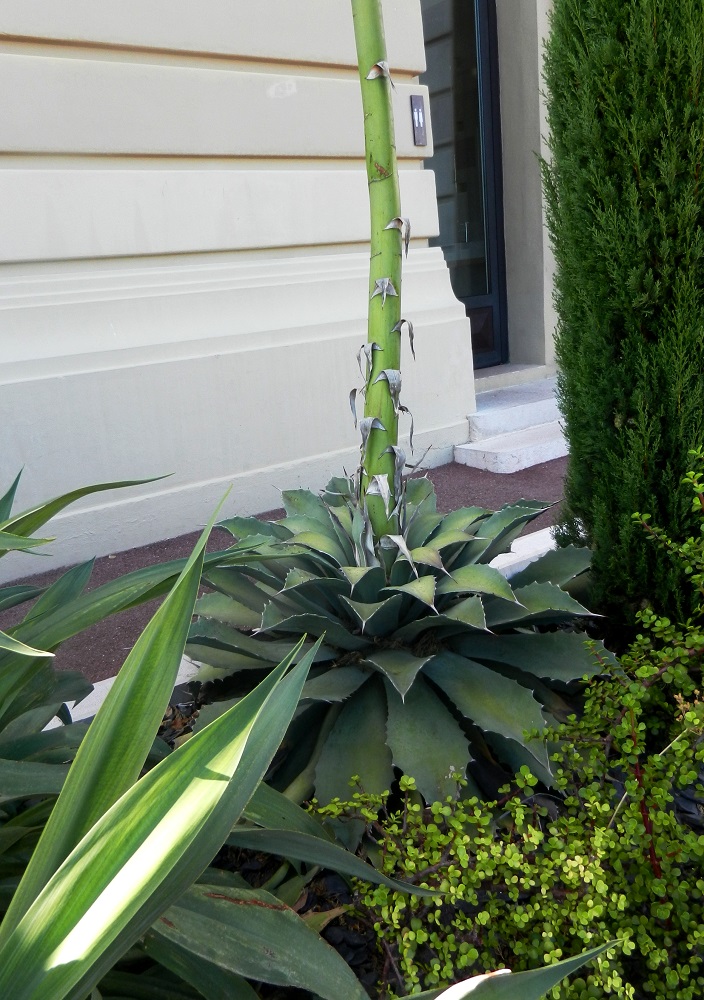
<point>625,198</point>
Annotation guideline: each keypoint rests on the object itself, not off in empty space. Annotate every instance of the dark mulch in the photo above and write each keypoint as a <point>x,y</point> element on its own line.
<point>100,651</point>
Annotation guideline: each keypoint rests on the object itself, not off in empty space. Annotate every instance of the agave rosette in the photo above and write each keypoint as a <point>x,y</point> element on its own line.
<point>432,660</point>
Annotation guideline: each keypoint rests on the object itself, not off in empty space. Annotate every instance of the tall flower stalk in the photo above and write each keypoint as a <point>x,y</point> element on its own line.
<point>380,433</point>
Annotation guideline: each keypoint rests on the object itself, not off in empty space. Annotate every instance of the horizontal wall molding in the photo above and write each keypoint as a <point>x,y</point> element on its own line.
<point>315,31</point>
<point>77,320</point>
<point>83,213</point>
<point>241,374</point>
<point>124,521</point>
<point>58,105</point>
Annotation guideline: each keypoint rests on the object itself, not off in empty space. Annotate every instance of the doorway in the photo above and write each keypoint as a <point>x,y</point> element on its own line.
<point>462,79</point>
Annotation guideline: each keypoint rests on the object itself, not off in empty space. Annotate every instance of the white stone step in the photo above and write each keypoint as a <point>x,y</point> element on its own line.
<point>513,408</point>
<point>524,550</point>
<point>521,449</point>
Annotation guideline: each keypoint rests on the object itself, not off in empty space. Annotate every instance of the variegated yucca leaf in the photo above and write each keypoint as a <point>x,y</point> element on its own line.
<point>118,849</point>
<point>432,661</point>
<point>114,852</point>
<point>16,529</point>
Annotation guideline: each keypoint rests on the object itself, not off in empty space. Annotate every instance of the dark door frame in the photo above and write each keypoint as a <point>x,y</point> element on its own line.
<point>471,136</point>
<point>490,116</point>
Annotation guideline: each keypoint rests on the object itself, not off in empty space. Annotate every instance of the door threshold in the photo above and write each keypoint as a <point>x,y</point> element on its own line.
<point>502,375</point>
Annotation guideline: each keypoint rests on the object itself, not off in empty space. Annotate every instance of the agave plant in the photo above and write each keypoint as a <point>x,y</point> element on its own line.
<point>431,659</point>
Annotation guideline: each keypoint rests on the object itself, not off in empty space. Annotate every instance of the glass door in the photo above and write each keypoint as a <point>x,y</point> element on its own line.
<point>462,78</point>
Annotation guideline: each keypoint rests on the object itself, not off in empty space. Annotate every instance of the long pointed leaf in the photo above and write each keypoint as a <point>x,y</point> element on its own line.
<point>17,543</point>
<point>271,707</point>
<point>21,779</point>
<point>273,810</point>
<point>134,986</point>
<point>7,500</point>
<point>531,985</point>
<point>12,596</point>
<point>253,934</point>
<point>111,756</point>
<point>24,683</point>
<point>117,595</point>
<point>18,648</point>
<point>68,587</point>
<point>33,518</point>
<point>316,850</point>
<point>141,854</point>
<point>212,982</point>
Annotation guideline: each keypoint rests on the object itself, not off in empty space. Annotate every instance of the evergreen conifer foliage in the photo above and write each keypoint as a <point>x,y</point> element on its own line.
<point>625,197</point>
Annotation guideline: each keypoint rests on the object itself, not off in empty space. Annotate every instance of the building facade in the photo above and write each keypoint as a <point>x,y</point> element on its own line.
<point>183,258</point>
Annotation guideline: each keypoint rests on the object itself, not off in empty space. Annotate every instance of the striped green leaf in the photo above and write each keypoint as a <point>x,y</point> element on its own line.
<point>33,518</point>
<point>112,755</point>
<point>146,849</point>
<point>18,648</point>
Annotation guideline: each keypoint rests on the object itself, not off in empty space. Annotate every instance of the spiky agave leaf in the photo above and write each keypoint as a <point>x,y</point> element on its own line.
<point>432,660</point>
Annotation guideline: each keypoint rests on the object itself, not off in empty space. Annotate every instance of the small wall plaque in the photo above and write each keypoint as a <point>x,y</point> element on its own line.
<point>420,137</point>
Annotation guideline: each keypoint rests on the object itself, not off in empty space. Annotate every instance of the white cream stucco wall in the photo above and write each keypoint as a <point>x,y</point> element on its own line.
<point>183,260</point>
<point>523,26</point>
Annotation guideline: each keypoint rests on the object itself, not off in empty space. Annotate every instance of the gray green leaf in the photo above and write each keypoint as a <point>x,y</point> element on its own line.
<point>425,741</point>
<point>399,666</point>
<point>494,703</point>
<point>334,685</point>
<point>356,746</point>
<point>251,933</point>
<point>476,579</point>
<point>558,566</point>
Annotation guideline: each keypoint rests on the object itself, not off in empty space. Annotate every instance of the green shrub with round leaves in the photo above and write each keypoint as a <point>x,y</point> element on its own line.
<point>615,850</point>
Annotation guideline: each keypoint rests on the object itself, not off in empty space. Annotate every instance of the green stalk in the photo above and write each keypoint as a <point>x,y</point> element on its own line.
<point>385,262</point>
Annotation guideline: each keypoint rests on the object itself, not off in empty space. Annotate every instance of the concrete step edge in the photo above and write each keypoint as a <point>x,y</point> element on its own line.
<point>505,420</point>
<point>507,453</point>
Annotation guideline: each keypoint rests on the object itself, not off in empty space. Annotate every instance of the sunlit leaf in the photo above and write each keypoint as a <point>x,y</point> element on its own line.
<point>140,855</point>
